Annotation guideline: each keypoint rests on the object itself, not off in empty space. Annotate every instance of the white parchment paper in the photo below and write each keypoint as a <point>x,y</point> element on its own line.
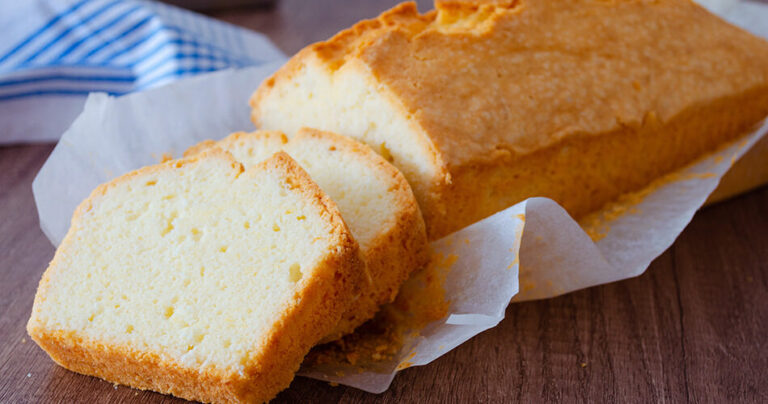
<point>532,250</point>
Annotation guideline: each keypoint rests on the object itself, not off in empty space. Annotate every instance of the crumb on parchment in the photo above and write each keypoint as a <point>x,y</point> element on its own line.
<point>162,158</point>
<point>421,300</point>
<point>597,224</point>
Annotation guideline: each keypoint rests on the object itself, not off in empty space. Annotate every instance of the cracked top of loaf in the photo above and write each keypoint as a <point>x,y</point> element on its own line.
<point>483,78</point>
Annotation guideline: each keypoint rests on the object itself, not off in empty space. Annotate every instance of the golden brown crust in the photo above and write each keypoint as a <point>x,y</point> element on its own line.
<point>491,84</point>
<point>122,365</point>
<point>584,174</point>
<point>196,149</point>
<point>313,311</point>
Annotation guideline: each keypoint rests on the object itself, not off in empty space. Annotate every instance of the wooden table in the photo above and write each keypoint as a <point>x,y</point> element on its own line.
<point>694,327</point>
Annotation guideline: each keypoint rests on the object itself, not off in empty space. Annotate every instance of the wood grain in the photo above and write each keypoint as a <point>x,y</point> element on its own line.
<point>692,328</point>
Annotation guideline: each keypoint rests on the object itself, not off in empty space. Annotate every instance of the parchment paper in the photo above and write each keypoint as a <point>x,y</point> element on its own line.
<point>532,250</point>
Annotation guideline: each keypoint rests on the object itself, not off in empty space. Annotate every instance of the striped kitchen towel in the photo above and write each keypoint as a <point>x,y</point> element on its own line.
<point>54,52</point>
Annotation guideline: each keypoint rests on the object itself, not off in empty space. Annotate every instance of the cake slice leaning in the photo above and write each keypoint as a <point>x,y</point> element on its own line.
<point>373,196</point>
<point>198,279</point>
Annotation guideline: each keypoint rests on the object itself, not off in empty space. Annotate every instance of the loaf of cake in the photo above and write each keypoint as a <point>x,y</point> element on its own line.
<point>482,104</point>
<point>373,197</point>
<point>198,279</point>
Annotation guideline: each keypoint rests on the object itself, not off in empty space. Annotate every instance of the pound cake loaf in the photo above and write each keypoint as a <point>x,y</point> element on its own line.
<point>372,195</point>
<point>482,104</point>
<point>198,279</point>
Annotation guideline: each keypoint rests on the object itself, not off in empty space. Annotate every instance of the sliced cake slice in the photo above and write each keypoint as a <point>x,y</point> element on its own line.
<point>198,279</point>
<point>373,196</point>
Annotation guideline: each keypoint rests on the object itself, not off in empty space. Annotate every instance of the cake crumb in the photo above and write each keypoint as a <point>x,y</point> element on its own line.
<point>378,342</point>
<point>384,152</point>
<point>597,224</point>
<point>29,374</point>
<point>23,340</point>
<point>333,384</point>
<point>161,158</point>
<point>352,357</point>
<point>528,285</point>
<point>514,262</point>
<point>583,364</point>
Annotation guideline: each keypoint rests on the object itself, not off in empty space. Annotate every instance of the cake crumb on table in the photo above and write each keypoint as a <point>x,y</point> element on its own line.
<point>421,300</point>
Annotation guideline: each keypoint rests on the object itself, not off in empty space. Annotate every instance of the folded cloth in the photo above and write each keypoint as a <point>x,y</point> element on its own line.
<point>54,52</point>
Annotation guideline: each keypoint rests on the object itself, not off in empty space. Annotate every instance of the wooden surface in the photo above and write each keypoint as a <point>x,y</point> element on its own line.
<point>694,327</point>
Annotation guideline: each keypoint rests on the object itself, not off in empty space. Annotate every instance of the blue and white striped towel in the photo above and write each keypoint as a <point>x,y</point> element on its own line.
<point>54,52</point>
